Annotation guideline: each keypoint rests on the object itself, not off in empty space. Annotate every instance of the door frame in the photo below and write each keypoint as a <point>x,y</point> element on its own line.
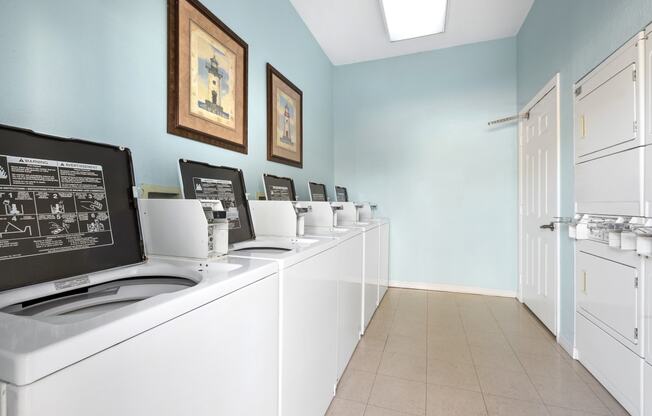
<point>552,84</point>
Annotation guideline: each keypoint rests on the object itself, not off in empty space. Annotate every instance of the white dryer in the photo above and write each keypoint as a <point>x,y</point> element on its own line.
<point>88,325</point>
<point>308,271</point>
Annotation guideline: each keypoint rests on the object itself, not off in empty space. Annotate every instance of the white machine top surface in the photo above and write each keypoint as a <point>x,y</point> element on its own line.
<point>340,233</point>
<point>286,251</point>
<point>31,348</point>
<point>364,225</point>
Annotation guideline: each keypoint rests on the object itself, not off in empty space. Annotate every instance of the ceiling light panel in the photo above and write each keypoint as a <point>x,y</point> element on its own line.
<point>408,19</point>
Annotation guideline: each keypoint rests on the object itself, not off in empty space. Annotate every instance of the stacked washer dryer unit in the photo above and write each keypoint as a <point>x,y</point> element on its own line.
<point>648,213</point>
<point>610,147</point>
<point>307,284</point>
<point>349,217</point>
<point>90,326</point>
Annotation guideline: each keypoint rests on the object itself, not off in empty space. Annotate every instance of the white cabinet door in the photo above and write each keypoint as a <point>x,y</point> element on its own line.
<point>539,179</point>
<point>309,335</point>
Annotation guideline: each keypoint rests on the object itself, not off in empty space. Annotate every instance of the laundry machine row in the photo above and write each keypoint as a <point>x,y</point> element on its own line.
<point>613,224</point>
<point>114,305</point>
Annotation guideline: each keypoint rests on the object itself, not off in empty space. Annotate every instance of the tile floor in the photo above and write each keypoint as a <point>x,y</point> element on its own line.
<point>446,354</point>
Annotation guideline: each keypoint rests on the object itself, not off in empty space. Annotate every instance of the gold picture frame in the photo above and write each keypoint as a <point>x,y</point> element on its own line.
<point>284,120</point>
<point>207,77</point>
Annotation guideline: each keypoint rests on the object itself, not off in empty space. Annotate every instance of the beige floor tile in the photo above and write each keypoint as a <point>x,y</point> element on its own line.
<point>570,394</point>
<point>372,343</point>
<point>551,366</point>
<point>406,366</point>
<point>379,411</point>
<point>538,345</point>
<point>502,406</point>
<point>510,384</point>
<point>400,395</point>
<point>487,339</point>
<point>559,411</point>
<point>365,359</point>
<point>458,375</point>
<point>356,385</point>
<point>607,399</point>
<point>453,352</point>
<point>407,345</point>
<point>446,329</point>
<point>409,328</point>
<point>340,407</point>
<point>379,328</point>
<point>448,401</point>
<point>496,357</point>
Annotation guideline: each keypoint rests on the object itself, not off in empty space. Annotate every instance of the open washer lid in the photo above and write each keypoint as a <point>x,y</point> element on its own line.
<point>318,192</point>
<point>203,181</point>
<point>66,209</point>
<point>342,194</point>
<point>278,188</point>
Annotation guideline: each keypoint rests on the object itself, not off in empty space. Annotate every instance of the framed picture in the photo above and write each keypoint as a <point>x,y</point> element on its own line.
<point>284,120</point>
<point>207,77</point>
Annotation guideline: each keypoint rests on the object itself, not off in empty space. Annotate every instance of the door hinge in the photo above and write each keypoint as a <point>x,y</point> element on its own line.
<point>635,333</point>
<point>635,126</point>
<point>578,91</point>
<point>634,75</point>
<point>636,282</point>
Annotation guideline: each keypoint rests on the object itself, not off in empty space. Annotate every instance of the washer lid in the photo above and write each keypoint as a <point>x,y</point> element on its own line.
<point>203,181</point>
<point>278,188</point>
<point>66,209</point>
<point>342,194</point>
<point>318,191</point>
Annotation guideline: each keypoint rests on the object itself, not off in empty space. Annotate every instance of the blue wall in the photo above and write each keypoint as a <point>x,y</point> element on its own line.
<point>96,70</point>
<point>411,134</point>
<point>571,37</point>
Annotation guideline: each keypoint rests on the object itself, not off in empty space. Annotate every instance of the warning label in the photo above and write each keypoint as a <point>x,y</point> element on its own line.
<point>49,206</point>
<point>219,190</point>
<point>279,193</point>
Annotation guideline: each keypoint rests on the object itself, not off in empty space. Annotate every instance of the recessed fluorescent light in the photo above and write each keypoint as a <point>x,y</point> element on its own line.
<point>408,19</point>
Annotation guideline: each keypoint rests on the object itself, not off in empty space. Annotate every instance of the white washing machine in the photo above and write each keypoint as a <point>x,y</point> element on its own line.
<point>308,272</point>
<point>319,220</point>
<point>320,223</point>
<point>349,217</point>
<point>367,214</point>
<point>88,325</point>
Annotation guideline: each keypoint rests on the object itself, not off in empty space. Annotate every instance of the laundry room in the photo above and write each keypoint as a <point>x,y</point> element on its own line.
<point>325,207</point>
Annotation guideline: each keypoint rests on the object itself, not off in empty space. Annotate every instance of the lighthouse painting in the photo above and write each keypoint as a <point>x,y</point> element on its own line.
<point>207,78</point>
<point>284,120</point>
<point>212,79</point>
<point>287,122</point>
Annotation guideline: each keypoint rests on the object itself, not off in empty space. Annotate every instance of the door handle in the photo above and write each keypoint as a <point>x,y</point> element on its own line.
<point>550,226</point>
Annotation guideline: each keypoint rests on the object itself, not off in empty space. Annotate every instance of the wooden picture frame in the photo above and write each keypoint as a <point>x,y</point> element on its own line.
<point>284,120</point>
<point>207,78</point>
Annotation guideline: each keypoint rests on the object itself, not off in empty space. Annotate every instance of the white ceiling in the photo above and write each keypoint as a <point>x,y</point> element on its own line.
<point>352,31</point>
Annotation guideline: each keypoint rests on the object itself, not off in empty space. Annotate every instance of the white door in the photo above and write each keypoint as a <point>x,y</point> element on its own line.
<point>539,206</point>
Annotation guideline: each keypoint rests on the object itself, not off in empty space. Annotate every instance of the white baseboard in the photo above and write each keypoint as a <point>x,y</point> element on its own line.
<point>453,288</point>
